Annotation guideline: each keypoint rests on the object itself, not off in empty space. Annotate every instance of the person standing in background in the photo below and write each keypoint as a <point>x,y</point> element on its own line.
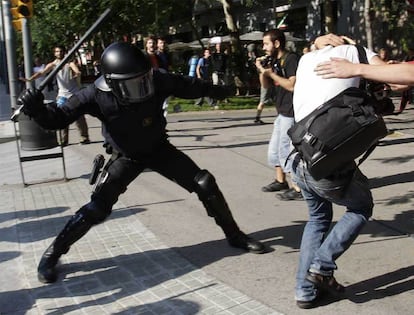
<point>151,52</point>
<point>264,99</point>
<point>279,74</point>
<point>68,82</point>
<point>203,72</point>
<point>163,54</point>
<point>192,65</point>
<point>164,59</point>
<point>219,68</point>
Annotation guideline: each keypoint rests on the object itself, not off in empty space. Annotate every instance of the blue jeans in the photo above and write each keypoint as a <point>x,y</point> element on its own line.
<point>318,249</point>
<point>279,144</point>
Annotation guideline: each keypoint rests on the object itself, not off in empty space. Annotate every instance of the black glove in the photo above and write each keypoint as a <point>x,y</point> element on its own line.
<point>32,101</point>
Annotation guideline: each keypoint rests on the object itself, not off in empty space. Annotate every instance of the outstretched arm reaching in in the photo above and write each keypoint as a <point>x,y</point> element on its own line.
<point>402,73</point>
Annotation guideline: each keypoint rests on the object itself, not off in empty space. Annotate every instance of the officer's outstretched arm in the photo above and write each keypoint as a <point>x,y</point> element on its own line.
<point>49,116</point>
<point>220,92</point>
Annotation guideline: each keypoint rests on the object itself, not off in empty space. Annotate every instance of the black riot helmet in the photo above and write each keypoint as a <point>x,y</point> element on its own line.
<point>127,72</point>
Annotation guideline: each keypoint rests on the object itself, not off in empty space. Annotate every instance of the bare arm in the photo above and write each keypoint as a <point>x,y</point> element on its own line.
<point>49,67</point>
<point>402,73</point>
<point>75,69</point>
<point>286,83</point>
<point>198,72</point>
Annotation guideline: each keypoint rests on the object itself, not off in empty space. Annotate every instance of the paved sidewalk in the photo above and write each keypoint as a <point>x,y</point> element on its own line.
<point>159,253</point>
<point>121,267</point>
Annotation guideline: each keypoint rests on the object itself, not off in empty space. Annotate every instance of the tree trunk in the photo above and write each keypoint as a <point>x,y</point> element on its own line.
<point>368,28</point>
<point>329,18</point>
<point>236,56</point>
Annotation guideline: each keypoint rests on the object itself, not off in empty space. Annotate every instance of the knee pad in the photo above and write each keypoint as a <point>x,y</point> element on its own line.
<point>205,183</point>
<point>95,212</point>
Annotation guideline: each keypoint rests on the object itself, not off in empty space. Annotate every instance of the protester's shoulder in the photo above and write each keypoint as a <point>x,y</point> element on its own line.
<point>351,53</point>
<point>370,54</point>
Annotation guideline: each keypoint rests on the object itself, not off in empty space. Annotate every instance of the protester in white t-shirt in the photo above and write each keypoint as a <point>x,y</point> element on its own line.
<point>348,187</point>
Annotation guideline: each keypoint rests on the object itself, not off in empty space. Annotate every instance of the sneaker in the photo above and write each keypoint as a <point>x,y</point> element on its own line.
<point>290,194</point>
<point>85,141</point>
<point>259,121</point>
<point>275,186</point>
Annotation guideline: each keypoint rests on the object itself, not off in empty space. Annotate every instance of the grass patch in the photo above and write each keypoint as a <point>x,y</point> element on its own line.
<point>233,103</point>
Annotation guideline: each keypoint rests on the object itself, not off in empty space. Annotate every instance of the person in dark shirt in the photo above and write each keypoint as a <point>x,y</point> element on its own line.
<point>218,62</point>
<point>163,54</point>
<point>278,70</point>
<point>128,99</point>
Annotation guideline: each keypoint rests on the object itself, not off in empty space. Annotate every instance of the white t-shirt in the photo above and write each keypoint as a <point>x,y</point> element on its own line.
<point>67,84</point>
<point>312,90</point>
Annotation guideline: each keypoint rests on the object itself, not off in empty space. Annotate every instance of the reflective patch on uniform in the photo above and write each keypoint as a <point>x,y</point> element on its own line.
<point>147,122</point>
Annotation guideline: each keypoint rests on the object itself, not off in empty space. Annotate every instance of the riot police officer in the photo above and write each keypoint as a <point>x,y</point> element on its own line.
<point>128,99</point>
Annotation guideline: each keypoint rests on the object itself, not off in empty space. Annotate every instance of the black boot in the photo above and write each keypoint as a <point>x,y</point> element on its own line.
<point>76,227</point>
<point>46,271</point>
<point>217,207</point>
<point>241,240</point>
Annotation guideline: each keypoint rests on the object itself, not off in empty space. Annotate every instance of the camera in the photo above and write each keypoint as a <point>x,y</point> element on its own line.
<point>270,62</point>
<point>266,61</point>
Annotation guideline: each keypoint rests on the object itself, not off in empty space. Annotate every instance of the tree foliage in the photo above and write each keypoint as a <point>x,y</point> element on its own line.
<point>62,22</point>
<point>395,24</point>
<point>391,25</point>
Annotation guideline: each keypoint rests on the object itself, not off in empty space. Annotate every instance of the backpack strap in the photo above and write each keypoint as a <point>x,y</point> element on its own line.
<point>282,61</point>
<point>362,57</point>
<point>283,58</point>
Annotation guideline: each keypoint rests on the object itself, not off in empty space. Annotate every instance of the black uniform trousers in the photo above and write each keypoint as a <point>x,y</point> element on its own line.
<point>120,171</point>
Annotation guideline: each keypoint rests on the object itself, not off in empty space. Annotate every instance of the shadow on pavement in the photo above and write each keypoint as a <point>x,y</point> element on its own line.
<point>379,287</point>
<point>400,178</point>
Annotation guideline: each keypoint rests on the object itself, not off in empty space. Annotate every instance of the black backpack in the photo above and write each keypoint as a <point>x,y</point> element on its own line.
<point>338,132</point>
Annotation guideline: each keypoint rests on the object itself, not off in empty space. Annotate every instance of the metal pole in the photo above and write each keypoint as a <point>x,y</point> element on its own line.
<point>10,53</point>
<point>3,63</point>
<point>27,51</point>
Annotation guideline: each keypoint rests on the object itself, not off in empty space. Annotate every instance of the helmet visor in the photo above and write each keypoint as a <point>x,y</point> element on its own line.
<point>133,90</point>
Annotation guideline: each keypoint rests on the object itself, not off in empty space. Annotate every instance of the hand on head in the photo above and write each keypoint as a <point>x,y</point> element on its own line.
<point>332,40</point>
